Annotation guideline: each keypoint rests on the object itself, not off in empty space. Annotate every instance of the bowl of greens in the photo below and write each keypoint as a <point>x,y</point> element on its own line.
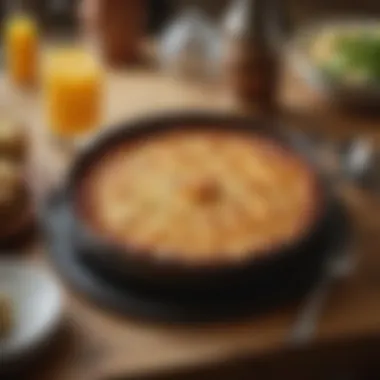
<point>341,60</point>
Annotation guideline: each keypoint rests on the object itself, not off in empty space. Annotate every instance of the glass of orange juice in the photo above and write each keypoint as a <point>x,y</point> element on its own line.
<point>21,43</point>
<point>72,92</point>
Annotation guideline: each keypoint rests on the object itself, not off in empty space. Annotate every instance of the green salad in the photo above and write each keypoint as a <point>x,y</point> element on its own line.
<point>353,57</point>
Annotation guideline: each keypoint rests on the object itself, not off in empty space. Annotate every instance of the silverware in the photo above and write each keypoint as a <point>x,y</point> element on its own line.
<point>355,161</point>
<point>339,161</point>
<point>361,164</point>
<point>336,268</point>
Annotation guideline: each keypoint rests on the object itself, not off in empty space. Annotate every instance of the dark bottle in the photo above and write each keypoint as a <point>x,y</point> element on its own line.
<point>116,26</point>
<point>251,56</point>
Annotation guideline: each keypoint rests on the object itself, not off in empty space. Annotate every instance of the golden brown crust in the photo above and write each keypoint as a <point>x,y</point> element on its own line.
<point>200,196</point>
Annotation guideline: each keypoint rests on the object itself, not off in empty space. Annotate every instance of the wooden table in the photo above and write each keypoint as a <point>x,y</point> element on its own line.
<point>96,344</point>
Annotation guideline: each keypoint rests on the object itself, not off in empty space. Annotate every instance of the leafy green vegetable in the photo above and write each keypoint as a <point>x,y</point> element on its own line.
<point>356,55</point>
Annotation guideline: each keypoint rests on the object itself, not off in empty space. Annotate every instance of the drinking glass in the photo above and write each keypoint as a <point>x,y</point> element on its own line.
<point>72,92</point>
<point>21,43</point>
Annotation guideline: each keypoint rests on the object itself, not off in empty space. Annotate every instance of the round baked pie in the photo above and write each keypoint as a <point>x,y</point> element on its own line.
<point>199,196</point>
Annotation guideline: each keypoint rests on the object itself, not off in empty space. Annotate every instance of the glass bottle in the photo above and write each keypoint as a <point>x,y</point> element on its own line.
<point>117,26</point>
<point>251,56</point>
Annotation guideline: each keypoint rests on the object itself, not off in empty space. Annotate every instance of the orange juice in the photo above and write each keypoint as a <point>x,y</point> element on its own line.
<point>72,91</point>
<point>22,48</point>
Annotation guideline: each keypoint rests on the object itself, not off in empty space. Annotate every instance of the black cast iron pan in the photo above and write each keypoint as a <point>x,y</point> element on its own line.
<point>145,300</point>
<point>120,263</point>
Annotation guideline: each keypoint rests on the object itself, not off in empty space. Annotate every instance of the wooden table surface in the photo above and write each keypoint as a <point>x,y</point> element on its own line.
<point>96,344</point>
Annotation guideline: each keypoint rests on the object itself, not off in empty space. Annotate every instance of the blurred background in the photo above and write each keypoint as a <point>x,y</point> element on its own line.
<point>301,11</point>
<point>299,81</point>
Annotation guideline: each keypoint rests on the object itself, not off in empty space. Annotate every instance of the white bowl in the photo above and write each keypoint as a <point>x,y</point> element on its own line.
<point>37,307</point>
<point>333,90</point>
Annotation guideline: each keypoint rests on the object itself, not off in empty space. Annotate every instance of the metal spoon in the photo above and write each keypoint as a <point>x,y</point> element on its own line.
<point>355,160</point>
<point>360,164</point>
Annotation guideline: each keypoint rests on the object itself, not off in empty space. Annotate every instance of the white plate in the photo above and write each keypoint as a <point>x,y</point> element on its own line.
<point>37,307</point>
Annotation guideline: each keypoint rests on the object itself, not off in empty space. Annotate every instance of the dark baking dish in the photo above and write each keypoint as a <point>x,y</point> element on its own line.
<point>118,263</point>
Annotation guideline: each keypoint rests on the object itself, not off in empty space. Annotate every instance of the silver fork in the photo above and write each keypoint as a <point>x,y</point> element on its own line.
<point>348,161</point>
<point>336,268</point>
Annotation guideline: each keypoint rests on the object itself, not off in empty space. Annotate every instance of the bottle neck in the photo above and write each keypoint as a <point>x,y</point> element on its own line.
<point>259,19</point>
<point>248,19</point>
<point>267,22</point>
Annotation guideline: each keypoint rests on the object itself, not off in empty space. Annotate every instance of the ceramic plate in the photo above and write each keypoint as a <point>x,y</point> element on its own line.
<point>37,307</point>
